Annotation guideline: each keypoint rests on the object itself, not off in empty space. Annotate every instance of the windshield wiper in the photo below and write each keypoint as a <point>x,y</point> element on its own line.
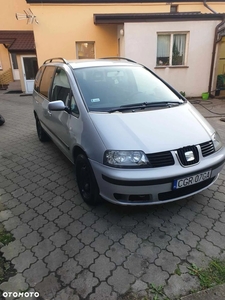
<point>145,105</point>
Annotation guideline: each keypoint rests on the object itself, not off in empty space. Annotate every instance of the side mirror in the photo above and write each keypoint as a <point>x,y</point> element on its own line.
<point>57,106</point>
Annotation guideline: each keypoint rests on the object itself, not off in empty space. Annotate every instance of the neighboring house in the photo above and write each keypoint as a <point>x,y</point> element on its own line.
<point>180,41</point>
<point>18,62</point>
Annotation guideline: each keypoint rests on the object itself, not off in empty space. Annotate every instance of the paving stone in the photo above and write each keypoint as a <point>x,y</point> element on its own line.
<point>148,251</point>
<point>43,248</point>
<point>86,256</point>
<point>60,238</point>
<point>180,285</point>
<point>84,283</point>
<point>219,227</point>
<point>115,233</point>
<point>198,258</point>
<point>66,294</point>
<point>136,264</point>
<point>178,248</point>
<point>21,231</point>
<point>117,253</point>
<point>102,267</point>
<point>35,273</point>
<point>87,236</point>
<point>101,226</point>
<point>69,270</point>
<point>73,247</point>
<point>29,215</point>
<point>77,212</point>
<point>131,241</point>
<point>63,221</point>
<point>75,230</point>
<point>24,260</point>
<point>88,219</point>
<point>155,275</point>
<point>43,208</point>
<point>12,250</point>
<point>121,280</point>
<point>37,222</point>
<point>103,292</point>
<point>101,243</point>
<point>34,202</point>
<point>55,259</point>
<point>31,240</point>
<point>160,238</point>
<point>14,284</point>
<point>188,238</point>
<point>216,238</point>
<point>197,229</point>
<point>49,287</point>
<point>12,223</point>
<point>48,229</point>
<point>167,261</point>
<point>5,215</point>
<point>209,249</point>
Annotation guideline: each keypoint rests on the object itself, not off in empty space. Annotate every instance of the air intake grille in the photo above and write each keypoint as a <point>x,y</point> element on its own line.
<point>161,159</point>
<point>183,155</point>
<point>207,148</point>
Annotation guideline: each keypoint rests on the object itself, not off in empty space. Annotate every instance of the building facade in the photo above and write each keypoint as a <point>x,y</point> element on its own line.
<point>180,41</point>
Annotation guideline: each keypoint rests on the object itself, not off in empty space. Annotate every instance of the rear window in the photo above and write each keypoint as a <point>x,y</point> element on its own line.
<point>105,88</point>
<point>45,80</point>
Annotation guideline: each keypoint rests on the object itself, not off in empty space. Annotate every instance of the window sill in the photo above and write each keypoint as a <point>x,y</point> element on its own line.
<point>171,67</point>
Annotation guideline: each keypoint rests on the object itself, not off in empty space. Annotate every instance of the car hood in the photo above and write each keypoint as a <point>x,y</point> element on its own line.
<point>152,130</point>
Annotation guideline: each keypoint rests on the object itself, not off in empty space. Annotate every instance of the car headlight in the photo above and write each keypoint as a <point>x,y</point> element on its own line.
<point>217,141</point>
<point>125,158</point>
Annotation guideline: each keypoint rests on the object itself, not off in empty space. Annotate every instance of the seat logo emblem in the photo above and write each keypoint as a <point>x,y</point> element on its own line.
<point>189,156</point>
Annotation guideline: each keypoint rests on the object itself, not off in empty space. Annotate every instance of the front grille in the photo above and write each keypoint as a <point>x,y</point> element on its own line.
<point>182,157</point>
<point>161,159</point>
<point>207,148</point>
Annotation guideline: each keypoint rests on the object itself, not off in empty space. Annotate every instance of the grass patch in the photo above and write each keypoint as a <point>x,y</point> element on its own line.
<point>211,276</point>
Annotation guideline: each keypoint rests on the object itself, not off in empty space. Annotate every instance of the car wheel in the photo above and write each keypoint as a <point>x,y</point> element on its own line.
<point>2,120</point>
<point>42,135</point>
<point>86,181</point>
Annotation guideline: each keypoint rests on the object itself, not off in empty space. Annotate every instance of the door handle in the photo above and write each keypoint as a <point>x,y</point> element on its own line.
<point>49,113</point>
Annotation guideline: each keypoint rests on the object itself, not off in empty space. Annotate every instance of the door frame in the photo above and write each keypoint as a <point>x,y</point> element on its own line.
<point>24,74</point>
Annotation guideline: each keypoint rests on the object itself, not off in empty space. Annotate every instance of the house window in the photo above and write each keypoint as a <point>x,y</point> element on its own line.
<point>173,8</point>
<point>85,50</point>
<point>171,49</point>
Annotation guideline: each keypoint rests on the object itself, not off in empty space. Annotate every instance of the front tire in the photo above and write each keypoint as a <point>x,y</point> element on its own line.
<point>86,181</point>
<point>42,135</point>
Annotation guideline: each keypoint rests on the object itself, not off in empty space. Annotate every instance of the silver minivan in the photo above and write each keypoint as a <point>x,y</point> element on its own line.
<point>133,139</point>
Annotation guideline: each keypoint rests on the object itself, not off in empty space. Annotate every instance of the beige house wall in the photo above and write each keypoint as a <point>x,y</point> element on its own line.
<point>62,25</point>
<point>8,19</point>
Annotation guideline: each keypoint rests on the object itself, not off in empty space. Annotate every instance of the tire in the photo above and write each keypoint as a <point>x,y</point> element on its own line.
<point>2,120</point>
<point>42,135</point>
<point>86,181</point>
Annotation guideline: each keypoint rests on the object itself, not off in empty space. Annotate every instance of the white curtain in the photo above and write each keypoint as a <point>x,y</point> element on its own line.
<point>179,43</point>
<point>163,46</point>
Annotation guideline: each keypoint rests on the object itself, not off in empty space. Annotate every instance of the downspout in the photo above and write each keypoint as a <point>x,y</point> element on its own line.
<point>206,5</point>
<point>216,40</point>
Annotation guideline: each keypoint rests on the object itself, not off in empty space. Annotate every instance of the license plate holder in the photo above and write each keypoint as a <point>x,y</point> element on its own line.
<point>191,180</point>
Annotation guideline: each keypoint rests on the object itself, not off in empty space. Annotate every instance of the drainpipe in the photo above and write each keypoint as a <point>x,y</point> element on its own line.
<point>216,40</point>
<point>206,5</point>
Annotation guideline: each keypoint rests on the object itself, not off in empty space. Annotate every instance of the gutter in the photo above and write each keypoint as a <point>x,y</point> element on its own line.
<point>206,5</point>
<point>218,29</point>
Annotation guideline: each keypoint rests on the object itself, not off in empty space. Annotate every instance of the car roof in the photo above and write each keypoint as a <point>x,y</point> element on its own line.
<point>85,63</point>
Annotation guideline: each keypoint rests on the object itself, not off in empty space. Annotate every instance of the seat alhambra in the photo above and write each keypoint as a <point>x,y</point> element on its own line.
<point>133,139</point>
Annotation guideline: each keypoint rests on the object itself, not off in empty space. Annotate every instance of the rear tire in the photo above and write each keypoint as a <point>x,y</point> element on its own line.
<point>42,135</point>
<point>86,181</point>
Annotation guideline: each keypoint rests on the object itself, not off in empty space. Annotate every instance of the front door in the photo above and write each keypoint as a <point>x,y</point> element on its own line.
<point>30,68</point>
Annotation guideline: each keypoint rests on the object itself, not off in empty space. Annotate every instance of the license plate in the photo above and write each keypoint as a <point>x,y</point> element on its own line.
<point>190,180</point>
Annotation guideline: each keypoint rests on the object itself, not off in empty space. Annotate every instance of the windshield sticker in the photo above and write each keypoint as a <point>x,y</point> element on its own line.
<point>95,100</point>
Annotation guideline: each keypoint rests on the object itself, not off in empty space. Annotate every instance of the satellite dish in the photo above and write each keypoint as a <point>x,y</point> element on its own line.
<point>28,15</point>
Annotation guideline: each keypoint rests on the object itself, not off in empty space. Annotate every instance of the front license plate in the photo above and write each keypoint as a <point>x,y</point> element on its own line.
<point>190,180</point>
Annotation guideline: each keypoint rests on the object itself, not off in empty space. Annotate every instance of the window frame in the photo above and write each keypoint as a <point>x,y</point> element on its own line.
<point>171,34</point>
<point>84,42</point>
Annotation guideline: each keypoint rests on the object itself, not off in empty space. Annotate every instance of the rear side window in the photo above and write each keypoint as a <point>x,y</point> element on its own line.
<point>38,79</point>
<point>46,80</point>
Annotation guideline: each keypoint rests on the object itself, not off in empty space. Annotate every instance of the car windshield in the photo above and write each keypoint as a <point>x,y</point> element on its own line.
<point>112,88</point>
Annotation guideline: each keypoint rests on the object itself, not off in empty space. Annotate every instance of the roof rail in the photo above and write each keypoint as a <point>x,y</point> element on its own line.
<point>55,58</point>
<point>118,57</point>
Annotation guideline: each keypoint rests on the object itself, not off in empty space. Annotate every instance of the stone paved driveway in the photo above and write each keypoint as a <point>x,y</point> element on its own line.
<point>64,249</point>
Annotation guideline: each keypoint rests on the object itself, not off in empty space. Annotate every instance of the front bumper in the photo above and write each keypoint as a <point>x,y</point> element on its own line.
<point>154,185</point>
